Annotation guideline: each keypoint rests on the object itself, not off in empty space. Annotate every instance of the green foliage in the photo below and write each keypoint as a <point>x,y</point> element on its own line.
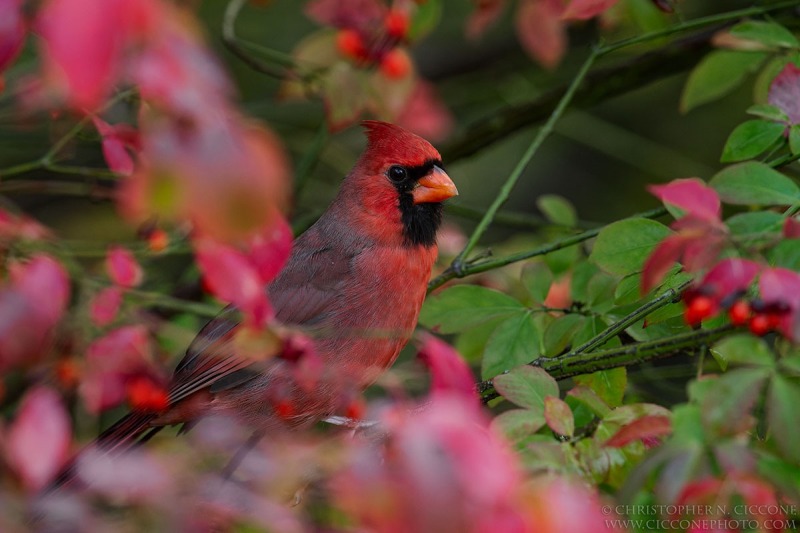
<point>750,139</point>
<point>622,247</point>
<point>755,183</point>
<point>718,74</point>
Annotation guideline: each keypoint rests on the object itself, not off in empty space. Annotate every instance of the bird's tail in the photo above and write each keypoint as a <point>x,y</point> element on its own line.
<point>129,431</point>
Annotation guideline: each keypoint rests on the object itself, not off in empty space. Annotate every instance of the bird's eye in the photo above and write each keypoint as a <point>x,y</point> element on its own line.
<point>397,173</point>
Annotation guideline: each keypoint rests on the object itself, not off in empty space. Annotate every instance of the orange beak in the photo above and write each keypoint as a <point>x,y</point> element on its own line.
<point>435,187</point>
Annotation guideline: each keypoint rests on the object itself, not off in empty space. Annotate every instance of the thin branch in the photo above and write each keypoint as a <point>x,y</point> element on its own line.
<point>608,82</point>
<point>490,264</point>
<point>511,181</point>
<point>236,46</point>
<point>570,365</point>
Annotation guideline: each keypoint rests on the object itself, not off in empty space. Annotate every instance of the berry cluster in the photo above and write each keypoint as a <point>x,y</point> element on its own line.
<point>379,46</point>
<point>760,317</point>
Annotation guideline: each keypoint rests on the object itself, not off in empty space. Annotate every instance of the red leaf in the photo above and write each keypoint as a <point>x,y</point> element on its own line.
<point>105,305</point>
<point>661,261</point>
<point>232,277</point>
<point>791,228</point>
<point>645,428</point>
<point>269,250</point>
<point>12,31</point>
<point>559,416</point>
<point>111,361</point>
<point>781,287</point>
<point>784,92</point>
<point>45,283</point>
<point>691,195</point>
<point>485,14</point>
<point>122,267</point>
<point>39,438</point>
<point>586,9</point>
<point>118,141</point>
<point>350,14</point>
<point>541,30</point>
<point>82,41</point>
<point>449,372</point>
<point>425,114</point>
<point>730,276</point>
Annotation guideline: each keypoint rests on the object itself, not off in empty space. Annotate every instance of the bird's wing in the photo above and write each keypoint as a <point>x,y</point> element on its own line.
<point>302,295</point>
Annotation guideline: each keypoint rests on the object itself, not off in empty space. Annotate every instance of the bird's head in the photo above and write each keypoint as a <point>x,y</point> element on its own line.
<point>400,179</point>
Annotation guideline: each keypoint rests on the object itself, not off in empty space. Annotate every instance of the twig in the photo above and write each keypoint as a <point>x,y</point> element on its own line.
<point>490,264</point>
<point>570,365</point>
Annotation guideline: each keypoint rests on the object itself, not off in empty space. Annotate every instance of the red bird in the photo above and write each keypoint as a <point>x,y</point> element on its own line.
<point>355,283</point>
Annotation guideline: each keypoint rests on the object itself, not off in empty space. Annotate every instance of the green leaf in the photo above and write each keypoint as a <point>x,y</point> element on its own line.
<point>790,366</point>
<point>519,423</point>
<point>622,247</point>
<point>782,402</point>
<point>794,139</point>
<point>526,386</point>
<point>627,290</point>
<point>743,349</point>
<point>717,74</point>
<point>600,292</point>
<point>537,278</point>
<point>557,210</point>
<point>784,474</point>
<point>559,416</point>
<point>581,275</point>
<point>588,397</point>
<point>472,343</point>
<point>609,385</point>
<point>769,34</point>
<point>559,334</point>
<point>754,222</point>
<point>727,402</point>
<point>514,342</point>
<point>754,183</point>
<point>425,19</point>
<point>768,112</point>
<point>786,254</point>
<point>750,139</point>
<point>463,307</point>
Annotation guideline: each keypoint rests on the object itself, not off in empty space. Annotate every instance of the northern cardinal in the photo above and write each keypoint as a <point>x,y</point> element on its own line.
<point>357,278</point>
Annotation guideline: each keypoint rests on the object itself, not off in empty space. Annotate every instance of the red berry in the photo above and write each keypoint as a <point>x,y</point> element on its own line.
<point>67,372</point>
<point>760,324</point>
<point>145,395</point>
<point>396,24</point>
<point>395,64</point>
<point>698,309</point>
<point>739,313</point>
<point>158,240</point>
<point>350,44</point>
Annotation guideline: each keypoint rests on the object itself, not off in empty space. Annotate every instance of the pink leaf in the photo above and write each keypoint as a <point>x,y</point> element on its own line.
<point>586,9</point>
<point>269,250</point>
<point>485,14</point>
<point>784,92</point>
<point>449,372</point>
<point>730,276</point>
<point>791,228</point>
<point>82,41</point>
<point>661,260</point>
<point>39,438</point>
<point>559,416</point>
<point>541,30</point>
<point>12,31</point>
<point>645,428</point>
<point>122,267</point>
<point>426,114</point>
<point>231,276</point>
<point>350,14</point>
<point>105,305</point>
<point>780,287</point>
<point>117,141</point>
<point>45,283</point>
<point>691,195</point>
<point>111,361</point>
